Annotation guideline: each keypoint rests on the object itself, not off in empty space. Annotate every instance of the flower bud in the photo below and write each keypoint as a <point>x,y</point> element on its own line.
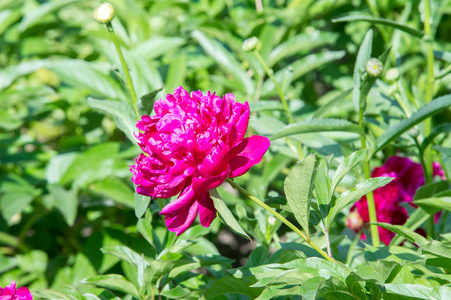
<point>354,221</point>
<point>104,13</point>
<point>374,67</point>
<point>250,44</point>
<point>392,74</point>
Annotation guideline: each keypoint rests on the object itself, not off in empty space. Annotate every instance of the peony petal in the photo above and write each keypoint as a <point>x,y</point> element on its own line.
<point>253,149</point>
<point>202,185</point>
<point>180,214</point>
<point>207,211</point>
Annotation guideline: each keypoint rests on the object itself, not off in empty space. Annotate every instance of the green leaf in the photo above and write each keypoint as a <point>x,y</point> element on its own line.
<point>322,182</point>
<point>11,73</point>
<point>410,30</point>
<point>444,150</point>
<point>122,112</point>
<point>363,56</point>
<point>225,60</point>
<point>298,188</point>
<point>115,189</point>
<point>404,232</point>
<point>266,105</point>
<point>443,128</point>
<point>226,215</point>
<point>332,104</point>
<point>351,196</point>
<point>310,287</point>
<point>301,67</point>
<point>58,166</point>
<point>418,217</point>
<point>416,291</point>
<point>141,204</point>
<point>35,15</point>
<point>157,46</point>
<point>231,285</point>
<point>421,114</point>
<point>290,277</point>
<point>258,256</point>
<point>148,100</point>
<point>300,42</point>
<point>334,289</point>
<point>51,294</point>
<point>176,293</point>
<point>87,76</point>
<point>16,195</point>
<point>317,125</point>
<point>176,73</point>
<point>347,165</point>
<point>66,201</point>
<point>442,252</point>
<point>114,282</point>
<point>130,256</point>
<point>435,204</point>
<point>272,292</point>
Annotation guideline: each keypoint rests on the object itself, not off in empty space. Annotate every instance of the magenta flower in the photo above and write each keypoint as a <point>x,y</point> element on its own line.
<point>409,177</point>
<point>192,144</point>
<point>11,293</point>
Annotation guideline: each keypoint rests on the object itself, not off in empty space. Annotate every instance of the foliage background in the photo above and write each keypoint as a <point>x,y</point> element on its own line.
<point>64,176</point>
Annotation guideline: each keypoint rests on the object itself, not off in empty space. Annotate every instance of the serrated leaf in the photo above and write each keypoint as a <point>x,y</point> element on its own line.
<point>122,112</point>
<point>410,30</point>
<point>421,114</point>
<point>351,196</point>
<point>317,125</point>
<point>298,188</point>
<point>226,215</point>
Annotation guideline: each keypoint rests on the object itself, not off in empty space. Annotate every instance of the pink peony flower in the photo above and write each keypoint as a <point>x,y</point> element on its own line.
<point>11,293</point>
<point>192,144</point>
<point>408,178</point>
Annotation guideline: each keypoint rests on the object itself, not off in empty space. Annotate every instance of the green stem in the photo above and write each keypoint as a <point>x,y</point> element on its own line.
<point>366,170</point>
<point>273,79</point>
<point>128,78</point>
<point>281,218</point>
<point>429,91</point>
<point>428,98</point>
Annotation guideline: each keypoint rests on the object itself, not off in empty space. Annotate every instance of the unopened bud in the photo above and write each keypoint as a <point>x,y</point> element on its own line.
<point>104,13</point>
<point>250,44</point>
<point>354,221</point>
<point>392,74</point>
<point>374,67</point>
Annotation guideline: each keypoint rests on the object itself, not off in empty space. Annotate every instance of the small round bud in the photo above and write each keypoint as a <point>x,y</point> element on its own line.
<point>104,13</point>
<point>250,44</point>
<point>354,221</point>
<point>413,132</point>
<point>374,67</point>
<point>392,74</point>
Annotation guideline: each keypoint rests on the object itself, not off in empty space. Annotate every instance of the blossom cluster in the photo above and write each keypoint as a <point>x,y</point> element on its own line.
<point>10,292</point>
<point>409,177</point>
<point>192,145</point>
